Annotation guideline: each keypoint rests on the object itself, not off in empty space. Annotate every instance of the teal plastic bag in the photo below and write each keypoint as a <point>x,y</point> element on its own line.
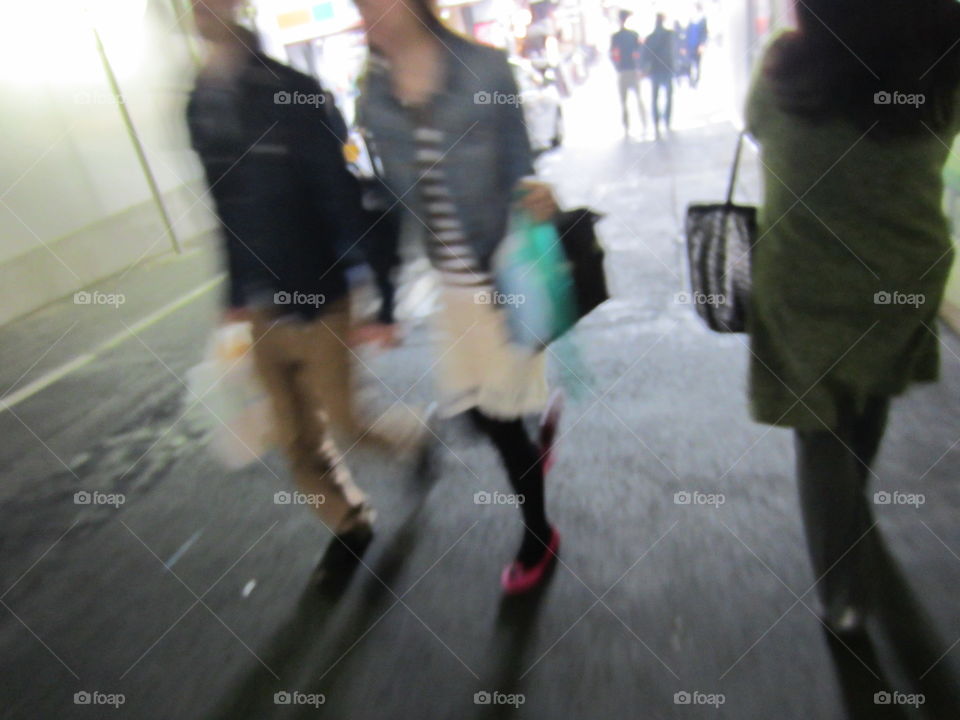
<point>534,283</point>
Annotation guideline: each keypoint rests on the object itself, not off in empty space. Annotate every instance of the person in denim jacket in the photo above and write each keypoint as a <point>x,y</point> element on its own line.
<point>444,116</point>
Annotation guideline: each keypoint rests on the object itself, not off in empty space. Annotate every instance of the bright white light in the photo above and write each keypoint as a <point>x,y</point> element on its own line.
<point>52,42</point>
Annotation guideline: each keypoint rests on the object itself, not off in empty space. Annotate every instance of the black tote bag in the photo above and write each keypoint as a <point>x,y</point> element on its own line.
<point>720,238</point>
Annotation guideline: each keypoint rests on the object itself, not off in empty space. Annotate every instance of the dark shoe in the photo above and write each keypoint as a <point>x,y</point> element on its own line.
<point>344,552</point>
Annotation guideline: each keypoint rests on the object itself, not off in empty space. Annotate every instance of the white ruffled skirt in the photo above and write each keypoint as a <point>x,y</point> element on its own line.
<point>476,364</point>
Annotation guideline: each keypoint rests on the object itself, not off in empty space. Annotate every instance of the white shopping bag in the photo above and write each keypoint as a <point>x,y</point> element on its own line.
<point>225,388</point>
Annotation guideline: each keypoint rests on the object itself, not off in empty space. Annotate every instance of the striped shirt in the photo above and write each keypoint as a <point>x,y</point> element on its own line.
<point>447,246</point>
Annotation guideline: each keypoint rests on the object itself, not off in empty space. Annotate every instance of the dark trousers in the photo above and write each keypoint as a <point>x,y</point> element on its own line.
<point>521,458</point>
<point>833,472</point>
<point>664,84</point>
<point>382,244</point>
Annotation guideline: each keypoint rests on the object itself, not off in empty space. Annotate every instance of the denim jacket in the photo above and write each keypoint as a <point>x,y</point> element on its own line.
<point>487,146</point>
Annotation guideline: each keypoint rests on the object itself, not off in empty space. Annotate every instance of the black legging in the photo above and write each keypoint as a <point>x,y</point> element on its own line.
<point>833,469</point>
<point>525,471</point>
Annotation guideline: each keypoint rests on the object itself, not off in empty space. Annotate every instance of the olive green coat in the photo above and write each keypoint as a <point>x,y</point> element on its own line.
<point>850,267</point>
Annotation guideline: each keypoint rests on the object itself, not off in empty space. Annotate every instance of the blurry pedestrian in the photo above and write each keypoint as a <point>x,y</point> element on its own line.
<point>380,244</point>
<point>681,63</point>
<point>854,253</point>
<point>696,38</point>
<point>445,117</point>
<point>625,52</point>
<point>384,238</point>
<point>272,149</point>
<point>659,52</point>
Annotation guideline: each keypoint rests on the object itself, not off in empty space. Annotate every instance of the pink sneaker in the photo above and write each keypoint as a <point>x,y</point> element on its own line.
<point>549,422</point>
<point>517,578</point>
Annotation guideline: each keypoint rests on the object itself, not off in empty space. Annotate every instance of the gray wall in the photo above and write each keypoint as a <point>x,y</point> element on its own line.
<point>75,205</point>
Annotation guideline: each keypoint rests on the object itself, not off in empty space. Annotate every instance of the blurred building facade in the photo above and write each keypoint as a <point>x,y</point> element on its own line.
<point>97,174</point>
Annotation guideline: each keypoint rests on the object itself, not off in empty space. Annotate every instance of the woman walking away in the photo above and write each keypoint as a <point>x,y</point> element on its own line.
<point>855,119</point>
<point>454,148</point>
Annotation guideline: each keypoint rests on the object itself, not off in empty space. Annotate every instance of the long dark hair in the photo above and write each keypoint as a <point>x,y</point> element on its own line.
<point>893,63</point>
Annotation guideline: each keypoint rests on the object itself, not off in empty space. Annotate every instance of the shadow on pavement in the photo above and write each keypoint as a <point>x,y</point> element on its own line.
<point>861,678</point>
<point>900,655</point>
<point>292,654</point>
<point>516,617</point>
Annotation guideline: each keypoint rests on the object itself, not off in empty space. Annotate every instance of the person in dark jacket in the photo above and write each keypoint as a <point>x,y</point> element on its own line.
<point>660,51</point>
<point>271,144</point>
<point>626,52</point>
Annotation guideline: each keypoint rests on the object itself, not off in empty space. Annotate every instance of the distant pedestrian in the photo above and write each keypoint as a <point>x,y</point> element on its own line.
<point>460,161</point>
<point>659,53</point>
<point>681,64</point>
<point>626,52</point>
<point>695,40</point>
<point>853,256</point>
